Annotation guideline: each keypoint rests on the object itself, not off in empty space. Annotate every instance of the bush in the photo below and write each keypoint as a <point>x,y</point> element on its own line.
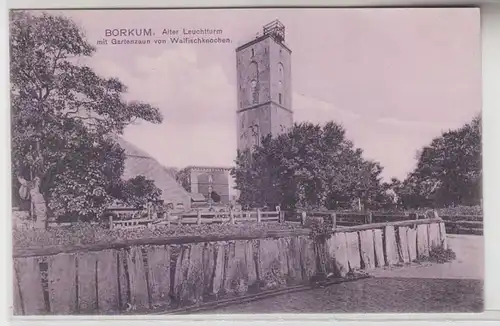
<point>457,211</point>
<point>461,210</point>
<point>273,278</point>
<point>439,255</point>
<point>319,229</point>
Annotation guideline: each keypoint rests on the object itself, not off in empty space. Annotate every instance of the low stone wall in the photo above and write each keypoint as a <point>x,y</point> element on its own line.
<point>165,274</point>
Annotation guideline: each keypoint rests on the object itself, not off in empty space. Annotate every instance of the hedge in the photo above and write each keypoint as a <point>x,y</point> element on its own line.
<point>84,233</point>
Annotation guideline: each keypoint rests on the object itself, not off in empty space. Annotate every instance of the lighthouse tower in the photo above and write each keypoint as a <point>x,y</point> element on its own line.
<point>264,86</point>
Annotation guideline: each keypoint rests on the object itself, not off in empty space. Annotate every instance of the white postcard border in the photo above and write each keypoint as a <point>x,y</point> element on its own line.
<point>491,108</point>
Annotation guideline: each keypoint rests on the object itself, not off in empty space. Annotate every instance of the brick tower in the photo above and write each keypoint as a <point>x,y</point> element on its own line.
<point>264,86</point>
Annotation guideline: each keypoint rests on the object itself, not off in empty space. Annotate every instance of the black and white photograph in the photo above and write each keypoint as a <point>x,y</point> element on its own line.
<point>246,161</point>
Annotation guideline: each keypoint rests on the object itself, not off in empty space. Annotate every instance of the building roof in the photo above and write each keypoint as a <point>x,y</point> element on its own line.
<point>209,168</point>
<point>260,38</point>
<point>171,171</point>
<point>138,162</point>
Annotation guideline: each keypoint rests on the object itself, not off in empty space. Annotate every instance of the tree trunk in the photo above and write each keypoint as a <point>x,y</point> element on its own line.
<point>40,209</point>
<point>36,196</point>
<point>32,207</point>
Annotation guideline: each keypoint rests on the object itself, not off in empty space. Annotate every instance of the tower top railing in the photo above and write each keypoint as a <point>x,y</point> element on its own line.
<point>276,29</point>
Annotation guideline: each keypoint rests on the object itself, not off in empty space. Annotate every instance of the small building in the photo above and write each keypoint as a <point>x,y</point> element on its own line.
<point>215,183</point>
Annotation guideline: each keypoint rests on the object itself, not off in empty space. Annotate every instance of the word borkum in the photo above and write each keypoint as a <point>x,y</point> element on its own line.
<point>129,32</point>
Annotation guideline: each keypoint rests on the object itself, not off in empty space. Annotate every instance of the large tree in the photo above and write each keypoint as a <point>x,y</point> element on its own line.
<point>309,167</point>
<point>63,118</point>
<point>448,171</point>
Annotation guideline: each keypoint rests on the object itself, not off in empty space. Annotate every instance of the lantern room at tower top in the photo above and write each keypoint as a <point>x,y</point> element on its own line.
<point>276,30</point>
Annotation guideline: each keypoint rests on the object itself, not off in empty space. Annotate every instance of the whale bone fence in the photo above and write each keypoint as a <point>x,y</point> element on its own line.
<point>163,274</point>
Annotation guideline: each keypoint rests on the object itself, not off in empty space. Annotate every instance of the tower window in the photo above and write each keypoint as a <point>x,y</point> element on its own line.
<point>255,93</point>
<point>255,97</point>
<point>253,53</point>
<point>279,98</point>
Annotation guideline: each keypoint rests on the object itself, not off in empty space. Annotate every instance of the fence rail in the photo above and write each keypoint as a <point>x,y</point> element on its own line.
<point>202,218</point>
<point>459,224</point>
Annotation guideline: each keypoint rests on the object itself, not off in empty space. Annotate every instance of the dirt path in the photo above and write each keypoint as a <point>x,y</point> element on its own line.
<point>469,263</point>
<point>451,287</point>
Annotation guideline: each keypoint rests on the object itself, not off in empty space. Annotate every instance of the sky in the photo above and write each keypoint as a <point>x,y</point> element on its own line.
<point>394,78</point>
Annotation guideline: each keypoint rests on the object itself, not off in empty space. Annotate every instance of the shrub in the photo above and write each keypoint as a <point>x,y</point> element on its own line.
<point>273,278</point>
<point>239,282</point>
<point>439,255</point>
<point>319,229</point>
<point>461,210</point>
<point>457,211</point>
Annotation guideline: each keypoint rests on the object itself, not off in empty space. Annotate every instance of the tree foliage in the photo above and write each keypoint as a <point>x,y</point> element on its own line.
<point>138,191</point>
<point>309,167</point>
<point>184,179</point>
<point>63,114</point>
<point>448,172</point>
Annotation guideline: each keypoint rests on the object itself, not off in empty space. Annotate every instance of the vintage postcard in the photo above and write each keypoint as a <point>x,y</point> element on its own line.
<point>246,161</point>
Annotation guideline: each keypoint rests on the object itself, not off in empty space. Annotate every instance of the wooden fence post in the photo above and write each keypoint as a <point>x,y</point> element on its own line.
<point>370,217</point>
<point>198,217</point>
<point>281,217</point>
<point>231,216</point>
<point>333,216</point>
<point>168,218</point>
<point>303,217</point>
<point>111,222</point>
<point>258,215</point>
<point>149,210</point>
